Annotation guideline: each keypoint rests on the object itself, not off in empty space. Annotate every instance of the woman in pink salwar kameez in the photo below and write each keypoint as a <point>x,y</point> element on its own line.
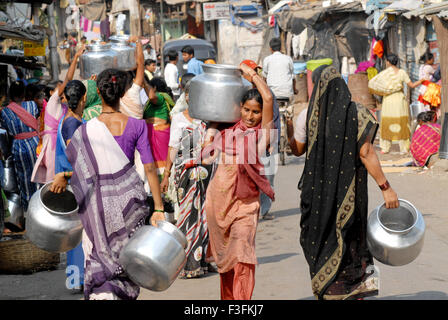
<point>232,201</point>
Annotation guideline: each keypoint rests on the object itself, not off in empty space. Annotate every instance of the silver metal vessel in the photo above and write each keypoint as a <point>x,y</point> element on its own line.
<point>215,95</point>
<point>395,236</point>
<point>9,182</point>
<point>51,230</point>
<point>153,258</point>
<point>97,58</point>
<point>125,51</point>
<point>16,216</point>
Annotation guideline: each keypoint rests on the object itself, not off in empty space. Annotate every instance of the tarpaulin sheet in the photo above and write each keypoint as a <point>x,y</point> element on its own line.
<point>332,36</point>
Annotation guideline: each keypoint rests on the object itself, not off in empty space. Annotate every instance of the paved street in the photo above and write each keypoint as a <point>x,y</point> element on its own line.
<point>282,272</point>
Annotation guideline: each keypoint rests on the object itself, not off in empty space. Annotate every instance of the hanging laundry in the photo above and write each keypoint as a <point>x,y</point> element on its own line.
<point>378,49</point>
<point>96,27</point>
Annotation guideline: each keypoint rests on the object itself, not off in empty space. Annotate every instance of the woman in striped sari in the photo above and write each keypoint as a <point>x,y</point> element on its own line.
<point>19,118</point>
<point>187,136</point>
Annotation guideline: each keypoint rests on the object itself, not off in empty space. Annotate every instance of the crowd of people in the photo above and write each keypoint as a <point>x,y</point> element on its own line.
<point>121,136</point>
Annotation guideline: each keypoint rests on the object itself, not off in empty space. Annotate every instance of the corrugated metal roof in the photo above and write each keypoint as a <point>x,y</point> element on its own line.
<point>443,14</point>
<point>428,10</point>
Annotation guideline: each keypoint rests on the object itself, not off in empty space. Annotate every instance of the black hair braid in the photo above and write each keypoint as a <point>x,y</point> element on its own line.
<point>112,85</point>
<point>74,91</point>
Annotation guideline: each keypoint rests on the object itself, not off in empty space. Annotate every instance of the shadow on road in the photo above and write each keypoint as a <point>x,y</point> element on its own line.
<point>276,258</point>
<point>295,160</point>
<point>286,213</point>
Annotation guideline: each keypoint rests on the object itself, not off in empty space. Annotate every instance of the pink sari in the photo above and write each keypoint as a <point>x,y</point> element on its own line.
<point>425,143</point>
<point>159,138</point>
<point>44,168</point>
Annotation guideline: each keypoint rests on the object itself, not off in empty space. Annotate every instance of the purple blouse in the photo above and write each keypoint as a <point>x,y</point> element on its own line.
<point>135,136</point>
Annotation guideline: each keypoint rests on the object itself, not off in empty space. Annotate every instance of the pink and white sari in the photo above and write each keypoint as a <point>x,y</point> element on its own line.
<point>43,171</point>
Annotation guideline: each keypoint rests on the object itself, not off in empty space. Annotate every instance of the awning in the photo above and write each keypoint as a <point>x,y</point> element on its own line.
<point>33,34</point>
<point>299,17</point>
<point>428,10</point>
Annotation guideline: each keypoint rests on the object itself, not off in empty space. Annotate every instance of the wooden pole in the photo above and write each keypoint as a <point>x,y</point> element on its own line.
<point>441,28</point>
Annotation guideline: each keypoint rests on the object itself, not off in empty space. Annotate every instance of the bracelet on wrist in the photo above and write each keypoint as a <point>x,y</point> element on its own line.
<point>163,211</point>
<point>384,186</point>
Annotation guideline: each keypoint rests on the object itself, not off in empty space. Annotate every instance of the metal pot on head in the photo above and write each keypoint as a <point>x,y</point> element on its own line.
<point>215,95</point>
<point>96,59</point>
<point>125,51</point>
<point>395,236</point>
<point>154,257</point>
<point>52,221</point>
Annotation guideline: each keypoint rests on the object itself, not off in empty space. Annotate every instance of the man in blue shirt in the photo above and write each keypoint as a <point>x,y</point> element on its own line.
<point>194,65</point>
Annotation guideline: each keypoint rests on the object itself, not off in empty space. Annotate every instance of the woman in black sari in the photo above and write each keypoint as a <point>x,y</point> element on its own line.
<point>339,153</point>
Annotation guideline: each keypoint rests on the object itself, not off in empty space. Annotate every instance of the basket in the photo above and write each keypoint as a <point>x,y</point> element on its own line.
<point>19,256</point>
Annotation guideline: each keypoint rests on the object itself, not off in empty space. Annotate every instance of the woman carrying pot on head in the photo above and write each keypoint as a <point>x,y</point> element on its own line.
<point>233,195</point>
<point>44,169</point>
<point>19,119</point>
<point>426,139</point>
<point>109,191</point>
<point>190,180</point>
<point>394,125</point>
<point>337,137</point>
<point>74,94</point>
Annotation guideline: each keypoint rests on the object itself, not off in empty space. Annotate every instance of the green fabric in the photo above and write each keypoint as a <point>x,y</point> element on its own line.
<point>91,112</point>
<point>314,64</point>
<point>168,100</point>
<point>93,101</point>
<point>158,110</point>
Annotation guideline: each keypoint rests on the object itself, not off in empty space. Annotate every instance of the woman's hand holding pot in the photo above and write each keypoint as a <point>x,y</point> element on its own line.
<point>390,198</point>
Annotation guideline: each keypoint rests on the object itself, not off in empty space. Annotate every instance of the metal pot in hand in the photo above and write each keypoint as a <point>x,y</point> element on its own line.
<point>395,236</point>
<point>9,182</point>
<point>215,95</point>
<point>52,221</point>
<point>125,51</point>
<point>153,258</point>
<point>16,216</point>
<point>96,59</point>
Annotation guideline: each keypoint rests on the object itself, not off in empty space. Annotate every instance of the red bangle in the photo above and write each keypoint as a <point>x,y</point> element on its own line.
<point>384,186</point>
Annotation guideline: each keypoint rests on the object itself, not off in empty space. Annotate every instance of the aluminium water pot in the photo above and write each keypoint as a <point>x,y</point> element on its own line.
<point>395,236</point>
<point>97,58</point>
<point>215,95</point>
<point>154,257</point>
<point>53,230</point>
<point>125,51</point>
<point>9,181</point>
